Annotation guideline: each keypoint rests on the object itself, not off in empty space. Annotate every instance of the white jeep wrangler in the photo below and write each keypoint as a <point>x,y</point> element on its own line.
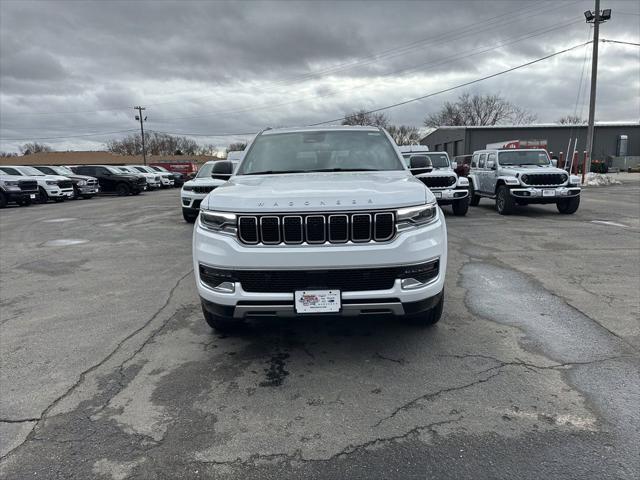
<point>320,221</point>
<point>442,180</point>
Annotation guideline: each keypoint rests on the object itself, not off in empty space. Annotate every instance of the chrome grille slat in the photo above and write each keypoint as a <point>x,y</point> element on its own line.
<point>316,228</point>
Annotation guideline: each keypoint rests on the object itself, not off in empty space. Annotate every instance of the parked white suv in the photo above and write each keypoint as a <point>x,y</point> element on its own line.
<point>153,181</point>
<point>166,179</point>
<point>194,191</point>
<point>442,180</point>
<point>320,221</point>
<point>54,187</point>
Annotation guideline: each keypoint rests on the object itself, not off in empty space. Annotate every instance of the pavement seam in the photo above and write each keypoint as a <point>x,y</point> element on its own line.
<point>83,375</point>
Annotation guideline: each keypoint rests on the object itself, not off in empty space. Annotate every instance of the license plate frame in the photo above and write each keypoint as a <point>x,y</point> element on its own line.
<point>32,196</point>
<point>308,302</point>
<point>547,192</point>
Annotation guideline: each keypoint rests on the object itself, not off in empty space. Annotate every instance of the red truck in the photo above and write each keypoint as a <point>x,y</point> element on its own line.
<point>185,167</point>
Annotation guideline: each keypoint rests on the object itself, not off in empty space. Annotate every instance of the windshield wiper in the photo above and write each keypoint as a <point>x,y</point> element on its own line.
<point>269,172</point>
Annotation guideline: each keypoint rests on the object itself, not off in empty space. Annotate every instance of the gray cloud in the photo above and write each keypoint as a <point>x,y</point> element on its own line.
<point>214,67</point>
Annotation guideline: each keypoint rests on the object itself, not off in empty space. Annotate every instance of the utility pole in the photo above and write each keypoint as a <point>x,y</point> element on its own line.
<point>596,17</point>
<point>139,117</point>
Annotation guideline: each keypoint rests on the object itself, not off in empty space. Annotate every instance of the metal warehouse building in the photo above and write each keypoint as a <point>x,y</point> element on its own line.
<point>612,141</point>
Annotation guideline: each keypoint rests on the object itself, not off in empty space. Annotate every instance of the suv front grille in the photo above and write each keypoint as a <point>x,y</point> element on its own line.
<point>203,189</point>
<point>439,182</point>
<point>346,280</point>
<point>65,184</point>
<point>546,179</point>
<point>316,228</point>
<point>28,185</point>
<point>142,181</point>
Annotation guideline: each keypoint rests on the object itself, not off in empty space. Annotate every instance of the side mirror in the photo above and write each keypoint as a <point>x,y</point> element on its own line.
<point>491,165</point>
<point>420,164</point>
<point>554,162</point>
<point>222,170</point>
<point>454,165</point>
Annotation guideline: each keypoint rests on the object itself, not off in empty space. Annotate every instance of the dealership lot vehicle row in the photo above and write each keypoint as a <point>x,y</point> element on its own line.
<point>534,367</point>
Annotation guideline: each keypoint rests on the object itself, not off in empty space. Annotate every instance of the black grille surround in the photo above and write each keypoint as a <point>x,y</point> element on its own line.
<point>203,188</point>
<point>345,280</point>
<point>544,179</point>
<point>65,184</point>
<point>28,185</point>
<point>316,228</point>
<point>439,181</point>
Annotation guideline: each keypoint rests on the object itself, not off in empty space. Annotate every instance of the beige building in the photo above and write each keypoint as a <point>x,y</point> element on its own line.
<point>99,158</point>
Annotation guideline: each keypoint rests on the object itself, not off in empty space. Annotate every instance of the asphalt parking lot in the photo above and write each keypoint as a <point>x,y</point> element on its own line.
<point>109,370</point>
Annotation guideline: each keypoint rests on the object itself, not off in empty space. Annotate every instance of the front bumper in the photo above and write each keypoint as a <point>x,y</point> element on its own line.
<point>60,193</point>
<point>20,195</point>
<point>167,182</point>
<point>409,247</point>
<point>88,189</point>
<point>544,195</point>
<point>191,200</point>
<point>448,195</point>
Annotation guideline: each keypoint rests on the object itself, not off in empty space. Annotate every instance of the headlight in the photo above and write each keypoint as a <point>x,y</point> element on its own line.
<point>565,177</point>
<point>82,183</point>
<point>51,182</point>
<point>221,222</point>
<point>463,182</point>
<point>416,216</point>
<point>11,185</point>
<point>187,188</point>
<point>513,180</point>
<point>525,178</point>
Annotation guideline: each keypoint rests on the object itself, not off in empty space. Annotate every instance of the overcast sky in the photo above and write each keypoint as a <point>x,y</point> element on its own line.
<point>204,67</point>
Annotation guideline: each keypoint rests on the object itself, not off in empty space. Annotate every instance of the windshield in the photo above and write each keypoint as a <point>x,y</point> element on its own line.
<point>524,157</point>
<point>9,171</point>
<point>160,169</point>
<point>62,171</point>
<point>205,171</point>
<point>115,170</point>
<point>438,160</point>
<point>320,151</point>
<point>124,169</point>
<point>30,171</point>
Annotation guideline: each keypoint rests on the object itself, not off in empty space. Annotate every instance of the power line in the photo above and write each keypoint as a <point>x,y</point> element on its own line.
<point>620,42</point>
<point>422,97</point>
<point>97,134</point>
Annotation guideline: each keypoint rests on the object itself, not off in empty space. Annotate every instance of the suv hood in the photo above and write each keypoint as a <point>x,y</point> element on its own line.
<point>302,192</point>
<point>513,170</point>
<point>205,182</point>
<point>53,177</point>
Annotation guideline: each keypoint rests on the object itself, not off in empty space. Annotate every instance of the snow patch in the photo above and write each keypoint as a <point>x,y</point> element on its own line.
<point>599,180</point>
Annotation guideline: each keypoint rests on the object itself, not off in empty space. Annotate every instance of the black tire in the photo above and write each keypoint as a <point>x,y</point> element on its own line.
<point>222,324</point>
<point>474,199</point>
<point>460,207</point>
<point>87,197</point>
<point>567,206</point>
<point>25,202</point>
<point>505,203</point>
<point>122,189</point>
<point>76,193</point>
<point>42,195</point>
<point>135,192</point>
<point>3,200</point>
<point>189,215</point>
<point>428,318</point>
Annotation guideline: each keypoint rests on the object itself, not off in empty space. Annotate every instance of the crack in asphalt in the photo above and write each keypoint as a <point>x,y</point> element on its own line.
<point>400,361</point>
<point>84,374</point>
<point>431,396</point>
<point>19,420</point>
<point>348,450</point>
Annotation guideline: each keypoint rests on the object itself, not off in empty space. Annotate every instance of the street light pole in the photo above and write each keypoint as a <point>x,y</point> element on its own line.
<point>139,117</point>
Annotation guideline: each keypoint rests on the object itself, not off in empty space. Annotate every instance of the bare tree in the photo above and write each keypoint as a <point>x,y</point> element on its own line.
<point>571,120</point>
<point>8,154</point>
<point>362,117</point>
<point>156,144</point>
<point>34,147</point>
<point>479,110</point>
<point>236,147</point>
<point>404,134</point>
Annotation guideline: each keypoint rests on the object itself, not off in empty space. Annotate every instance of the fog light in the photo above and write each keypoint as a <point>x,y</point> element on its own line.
<point>410,284</point>
<point>225,287</point>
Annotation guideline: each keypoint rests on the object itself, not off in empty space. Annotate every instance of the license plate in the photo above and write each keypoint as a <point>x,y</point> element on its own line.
<point>548,193</point>
<point>32,196</point>
<point>437,194</point>
<point>317,301</point>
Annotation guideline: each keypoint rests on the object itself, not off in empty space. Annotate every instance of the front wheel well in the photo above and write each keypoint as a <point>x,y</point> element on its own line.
<point>499,183</point>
